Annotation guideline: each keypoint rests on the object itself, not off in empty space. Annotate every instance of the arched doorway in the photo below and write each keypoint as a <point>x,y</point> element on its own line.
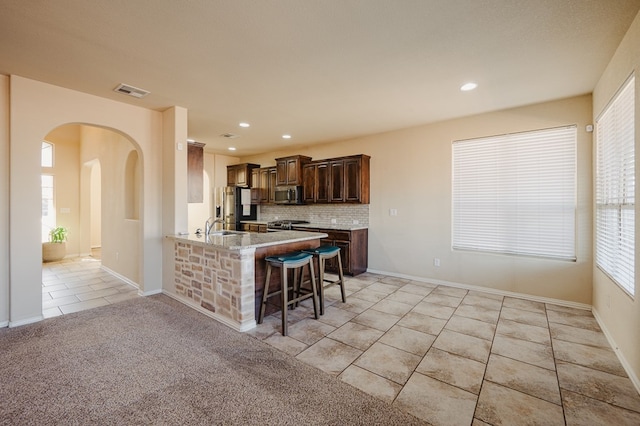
<point>95,204</point>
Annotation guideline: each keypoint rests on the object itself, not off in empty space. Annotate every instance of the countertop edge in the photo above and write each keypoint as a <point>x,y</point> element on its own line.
<point>251,240</point>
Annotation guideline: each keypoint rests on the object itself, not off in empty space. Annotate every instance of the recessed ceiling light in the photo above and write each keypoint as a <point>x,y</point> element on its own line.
<point>232,148</point>
<point>243,124</point>
<point>468,86</point>
<point>286,136</point>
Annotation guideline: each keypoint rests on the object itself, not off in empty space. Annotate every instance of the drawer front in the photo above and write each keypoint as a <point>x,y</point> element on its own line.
<point>337,235</point>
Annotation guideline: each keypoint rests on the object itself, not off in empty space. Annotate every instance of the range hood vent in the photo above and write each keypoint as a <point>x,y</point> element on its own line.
<point>229,135</point>
<point>131,91</point>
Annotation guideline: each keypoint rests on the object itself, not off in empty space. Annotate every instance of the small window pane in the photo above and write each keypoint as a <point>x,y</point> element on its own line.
<point>48,208</point>
<point>47,155</point>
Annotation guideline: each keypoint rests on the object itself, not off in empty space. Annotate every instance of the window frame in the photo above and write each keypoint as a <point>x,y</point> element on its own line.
<point>487,188</point>
<point>615,241</point>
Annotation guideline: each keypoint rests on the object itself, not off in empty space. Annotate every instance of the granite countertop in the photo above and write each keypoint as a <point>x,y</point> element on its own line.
<point>250,239</point>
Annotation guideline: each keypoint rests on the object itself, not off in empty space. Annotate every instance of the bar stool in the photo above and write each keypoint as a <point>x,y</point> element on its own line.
<point>295,261</point>
<point>323,253</point>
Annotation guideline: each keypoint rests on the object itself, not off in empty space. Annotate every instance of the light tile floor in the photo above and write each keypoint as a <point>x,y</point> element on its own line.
<point>76,284</point>
<point>455,357</point>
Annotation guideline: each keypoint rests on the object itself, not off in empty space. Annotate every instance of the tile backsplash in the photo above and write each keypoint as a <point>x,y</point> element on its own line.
<point>321,214</point>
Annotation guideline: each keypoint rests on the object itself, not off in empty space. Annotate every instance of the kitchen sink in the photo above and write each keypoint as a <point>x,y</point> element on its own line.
<point>226,233</point>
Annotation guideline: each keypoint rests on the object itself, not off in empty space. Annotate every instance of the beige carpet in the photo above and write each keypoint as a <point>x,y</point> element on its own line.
<point>155,361</point>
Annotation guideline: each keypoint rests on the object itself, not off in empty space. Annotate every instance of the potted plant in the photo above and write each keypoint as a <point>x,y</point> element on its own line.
<point>56,248</point>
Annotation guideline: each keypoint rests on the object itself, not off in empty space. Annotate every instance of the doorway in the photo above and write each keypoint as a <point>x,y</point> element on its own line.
<point>90,174</point>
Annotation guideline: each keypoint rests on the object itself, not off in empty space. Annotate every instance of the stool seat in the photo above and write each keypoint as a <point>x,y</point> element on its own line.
<point>289,257</point>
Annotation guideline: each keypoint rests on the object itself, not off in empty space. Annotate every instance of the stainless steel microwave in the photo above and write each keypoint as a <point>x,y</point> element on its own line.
<point>289,194</point>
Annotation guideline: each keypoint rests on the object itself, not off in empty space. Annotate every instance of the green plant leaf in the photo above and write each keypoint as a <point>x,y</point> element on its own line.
<point>58,234</point>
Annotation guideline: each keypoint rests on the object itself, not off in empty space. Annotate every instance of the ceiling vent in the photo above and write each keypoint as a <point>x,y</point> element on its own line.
<point>131,91</point>
<point>229,135</point>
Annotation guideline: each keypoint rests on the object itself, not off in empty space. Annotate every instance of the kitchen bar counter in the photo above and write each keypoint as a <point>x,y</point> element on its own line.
<point>223,276</point>
<point>248,240</point>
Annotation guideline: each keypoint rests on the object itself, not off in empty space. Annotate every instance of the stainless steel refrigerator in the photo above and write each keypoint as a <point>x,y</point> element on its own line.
<point>233,205</point>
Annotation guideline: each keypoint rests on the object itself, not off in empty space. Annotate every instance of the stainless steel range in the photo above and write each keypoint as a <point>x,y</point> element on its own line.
<point>284,225</point>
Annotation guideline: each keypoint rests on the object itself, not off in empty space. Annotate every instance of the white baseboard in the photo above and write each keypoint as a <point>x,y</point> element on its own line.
<point>249,325</point>
<point>25,321</point>
<point>625,364</point>
<point>4,324</point>
<point>150,292</point>
<point>566,303</point>
<point>120,277</point>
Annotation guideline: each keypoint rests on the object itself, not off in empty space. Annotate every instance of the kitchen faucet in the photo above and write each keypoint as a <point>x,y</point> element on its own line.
<point>208,225</point>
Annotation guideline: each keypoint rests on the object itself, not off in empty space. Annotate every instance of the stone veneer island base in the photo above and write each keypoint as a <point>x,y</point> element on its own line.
<point>223,276</point>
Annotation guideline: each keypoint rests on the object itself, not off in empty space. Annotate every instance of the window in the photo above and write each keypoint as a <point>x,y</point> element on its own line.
<point>615,189</point>
<point>47,155</point>
<point>515,193</point>
<point>48,206</point>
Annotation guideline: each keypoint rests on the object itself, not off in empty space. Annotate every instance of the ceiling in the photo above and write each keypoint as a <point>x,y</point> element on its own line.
<point>320,70</point>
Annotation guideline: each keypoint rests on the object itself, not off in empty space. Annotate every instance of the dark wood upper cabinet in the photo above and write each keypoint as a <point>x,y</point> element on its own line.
<point>289,169</point>
<point>337,180</point>
<point>316,182</point>
<point>240,174</point>
<point>272,185</point>
<point>195,170</point>
<point>263,185</point>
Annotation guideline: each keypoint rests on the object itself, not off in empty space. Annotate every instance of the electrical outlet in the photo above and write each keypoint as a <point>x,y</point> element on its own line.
<point>333,221</point>
<point>356,222</point>
<point>436,261</point>
<point>393,212</point>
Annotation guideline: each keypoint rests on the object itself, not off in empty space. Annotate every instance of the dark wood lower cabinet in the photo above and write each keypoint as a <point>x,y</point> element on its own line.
<point>354,249</point>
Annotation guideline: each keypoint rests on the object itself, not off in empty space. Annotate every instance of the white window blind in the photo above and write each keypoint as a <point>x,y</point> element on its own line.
<point>515,193</point>
<point>615,189</point>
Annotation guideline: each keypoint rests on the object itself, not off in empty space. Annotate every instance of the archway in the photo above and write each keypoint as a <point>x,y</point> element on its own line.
<point>96,216</point>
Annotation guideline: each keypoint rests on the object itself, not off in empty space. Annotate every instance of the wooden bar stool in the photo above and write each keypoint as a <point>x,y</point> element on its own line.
<point>295,261</point>
<point>323,253</point>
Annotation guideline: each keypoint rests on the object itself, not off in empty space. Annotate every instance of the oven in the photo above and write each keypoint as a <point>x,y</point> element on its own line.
<point>283,225</point>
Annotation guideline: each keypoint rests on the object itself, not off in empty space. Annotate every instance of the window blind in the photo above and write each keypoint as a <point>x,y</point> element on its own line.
<point>615,189</point>
<point>515,193</point>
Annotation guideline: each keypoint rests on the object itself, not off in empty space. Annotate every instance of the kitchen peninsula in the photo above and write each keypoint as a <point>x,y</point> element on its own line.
<point>223,275</point>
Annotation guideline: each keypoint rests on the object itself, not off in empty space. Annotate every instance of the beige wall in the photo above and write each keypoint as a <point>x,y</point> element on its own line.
<point>618,313</point>
<point>121,235</point>
<point>35,109</point>
<point>4,200</point>
<point>411,172</point>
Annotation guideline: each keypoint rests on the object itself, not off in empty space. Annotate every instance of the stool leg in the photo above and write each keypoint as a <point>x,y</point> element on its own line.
<point>297,284</point>
<point>321,263</point>
<point>264,294</point>
<point>314,289</point>
<point>285,294</point>
<point>341,276</point>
